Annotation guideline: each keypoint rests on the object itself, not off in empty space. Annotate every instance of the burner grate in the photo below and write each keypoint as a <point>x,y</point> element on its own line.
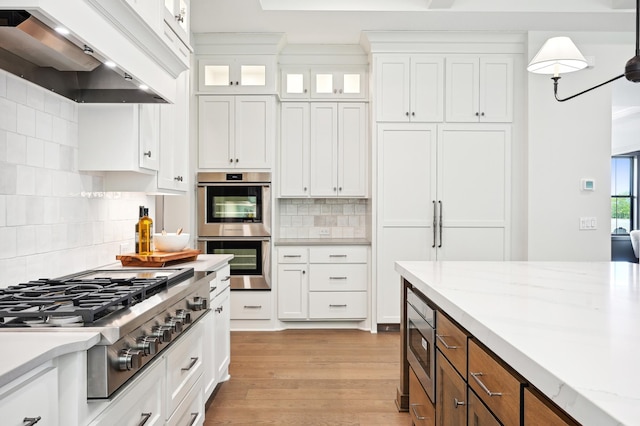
<point>89,299</point>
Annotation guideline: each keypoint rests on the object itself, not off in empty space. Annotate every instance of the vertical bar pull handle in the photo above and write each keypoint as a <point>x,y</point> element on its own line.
<point>434,224</point>
<point>440,224</point>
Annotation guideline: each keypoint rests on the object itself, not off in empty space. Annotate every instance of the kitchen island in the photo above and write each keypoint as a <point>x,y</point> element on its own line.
<point>570,329</point>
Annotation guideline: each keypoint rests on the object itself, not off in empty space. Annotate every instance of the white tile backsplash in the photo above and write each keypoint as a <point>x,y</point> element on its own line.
<point>54,220</point>
<point>306,218</point>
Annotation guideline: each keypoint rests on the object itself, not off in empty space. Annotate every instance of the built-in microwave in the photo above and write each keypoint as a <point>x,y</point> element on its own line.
<point>234,204</point>
<point>421,349</point>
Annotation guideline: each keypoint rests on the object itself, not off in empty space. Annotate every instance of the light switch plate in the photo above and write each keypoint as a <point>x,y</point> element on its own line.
<point>588,223</point>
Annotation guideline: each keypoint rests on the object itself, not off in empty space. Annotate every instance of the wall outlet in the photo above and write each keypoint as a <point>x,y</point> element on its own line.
<point>588,223</point>
<point>324,231</point>
<point>124,248</point>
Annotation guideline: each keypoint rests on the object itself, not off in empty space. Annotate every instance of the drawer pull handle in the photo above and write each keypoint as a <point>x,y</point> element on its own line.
<point>30,421</point>
<point>415,412</point>
<point>337,278</point>
<point>191,364</point>
<point>292,255</point>
<point>457,403</point>
<point>337,255</point>
<point>483,386</point>
<point>253,306</point>
<point>338,306</point>
<point>440,338</point>
<point>194,417</point>
<point>144,419</point>
<point>227,278</point>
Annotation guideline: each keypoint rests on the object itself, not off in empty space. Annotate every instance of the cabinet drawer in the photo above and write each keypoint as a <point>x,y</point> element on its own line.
<point>250,304</point>
<point>37,397</point>
<point>349,277</point>
<point>498,387</point>
<point>144,405</point>
<point>338,305</point>
<point>452,342</point>
<point>479,414</point>
<point>184,366</point>
<point>293,255</point>
<point>420,406</point>
<point>538,411</point>
<point>338,254</point>
<point>191,410</point>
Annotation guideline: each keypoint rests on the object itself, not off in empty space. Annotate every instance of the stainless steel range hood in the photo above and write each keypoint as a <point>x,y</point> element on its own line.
<point>36,52</point>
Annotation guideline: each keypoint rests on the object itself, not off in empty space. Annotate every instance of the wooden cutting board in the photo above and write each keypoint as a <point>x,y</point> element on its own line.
<point>158,258</point>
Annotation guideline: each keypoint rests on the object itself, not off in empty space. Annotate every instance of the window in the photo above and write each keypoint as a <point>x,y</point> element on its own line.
<point>623,200</point>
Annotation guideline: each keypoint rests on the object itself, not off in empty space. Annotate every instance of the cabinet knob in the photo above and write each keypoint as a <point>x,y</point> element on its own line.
<point>482,114</point>
<point>406,113</point>
<point>305,90</point>
<point>147,154</point>
<point>457,403</point>
<point>334,189</point>
<point>237,160</point>
<point>340,91</point>
<point>477,114</point>
<point>304,272</point>
<point>335,90</point>
<point>231,83</point>
<point>305,189</point>
<point>413,114</point>
<point>237,83</point>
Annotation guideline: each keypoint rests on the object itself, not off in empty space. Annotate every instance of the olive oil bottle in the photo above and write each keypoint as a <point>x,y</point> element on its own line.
<point>137,237</point>
<point>145,226</point>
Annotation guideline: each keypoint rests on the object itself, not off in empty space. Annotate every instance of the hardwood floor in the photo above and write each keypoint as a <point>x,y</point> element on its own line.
<point>310,377</point>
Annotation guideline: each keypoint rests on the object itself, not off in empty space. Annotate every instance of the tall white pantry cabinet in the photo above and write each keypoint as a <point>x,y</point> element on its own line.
<point>442,179</point>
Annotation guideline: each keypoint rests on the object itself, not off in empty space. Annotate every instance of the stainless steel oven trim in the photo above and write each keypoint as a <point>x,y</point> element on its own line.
<point>427,331</point>
<point>262,229</point>
<point>247,282</point>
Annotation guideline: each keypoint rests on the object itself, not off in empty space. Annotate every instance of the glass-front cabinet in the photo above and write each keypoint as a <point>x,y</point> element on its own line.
<point>324,83</point>
<point>176,14</point>
<point>237,74</point>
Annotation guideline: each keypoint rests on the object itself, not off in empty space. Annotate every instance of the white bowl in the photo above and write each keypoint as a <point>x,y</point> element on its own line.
<point>170,242</point>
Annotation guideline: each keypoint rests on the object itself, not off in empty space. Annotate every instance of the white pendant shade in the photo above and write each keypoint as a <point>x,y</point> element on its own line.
<point>557,55</point>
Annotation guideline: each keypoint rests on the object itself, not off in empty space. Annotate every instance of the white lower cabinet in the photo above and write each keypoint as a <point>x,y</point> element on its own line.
<point>22,402</point>
<point>184,367</point>
<point>140,405</point>
<point>250,305</point>
<point>191,410</point>
<point>221,307</point>
<point>323,283</point>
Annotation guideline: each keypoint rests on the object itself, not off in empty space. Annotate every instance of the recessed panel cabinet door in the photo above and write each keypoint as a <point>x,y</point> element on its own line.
<point>427,88</point>
<point>352,150</point>
<point>392,87</point>
<point>294,150</point>
<point>216,123</point>
<point>324,149</point>
<point>254,131</point>
<point>451,394</point>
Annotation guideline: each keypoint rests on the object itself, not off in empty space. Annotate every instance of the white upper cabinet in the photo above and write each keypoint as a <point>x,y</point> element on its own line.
<point>479,89</point>
<point>322,82</point>
<point>294,83</point>
<point>338,150</point>
<point>177,16</point>
<point>409,88</point>
<point>242,74</point>
<point>116,137</point>
<point>236,131</point>
<point>174,140</point>
<point>294,149</point>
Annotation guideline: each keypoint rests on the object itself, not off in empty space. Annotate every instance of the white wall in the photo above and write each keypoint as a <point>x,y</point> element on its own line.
<point>569,141</point>
<point>54,220</point>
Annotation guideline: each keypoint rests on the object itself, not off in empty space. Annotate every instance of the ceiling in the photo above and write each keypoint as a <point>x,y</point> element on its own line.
<point>342,21</point>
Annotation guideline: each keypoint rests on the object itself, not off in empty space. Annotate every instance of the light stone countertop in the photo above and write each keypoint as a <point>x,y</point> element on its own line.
<point>321,242</point>
<point>26,350</point>
<point>572,329</point>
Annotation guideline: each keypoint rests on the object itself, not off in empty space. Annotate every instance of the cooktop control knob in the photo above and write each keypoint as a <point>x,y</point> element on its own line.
<point>199,303</point>
<point>129,359</point>
<point>175,324</point>
<point>161,332</point>
<point>184,316</point>
<point>148,344</point>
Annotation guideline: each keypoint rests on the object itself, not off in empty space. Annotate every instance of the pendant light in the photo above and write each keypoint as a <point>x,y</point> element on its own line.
<point>560,55</point>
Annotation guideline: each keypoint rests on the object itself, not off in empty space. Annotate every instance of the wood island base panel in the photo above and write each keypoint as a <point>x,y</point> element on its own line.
<point>529,343</point>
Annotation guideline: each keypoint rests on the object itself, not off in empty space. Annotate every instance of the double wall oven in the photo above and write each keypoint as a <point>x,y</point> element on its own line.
<point>234,217</point>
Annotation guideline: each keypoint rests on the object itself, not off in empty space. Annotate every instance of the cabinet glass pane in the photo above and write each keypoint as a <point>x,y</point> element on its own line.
<point>324,83</point>
<point>252,75</point>
<point>295,83</point>
<point>216,75</point>
<point>352,83</point>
